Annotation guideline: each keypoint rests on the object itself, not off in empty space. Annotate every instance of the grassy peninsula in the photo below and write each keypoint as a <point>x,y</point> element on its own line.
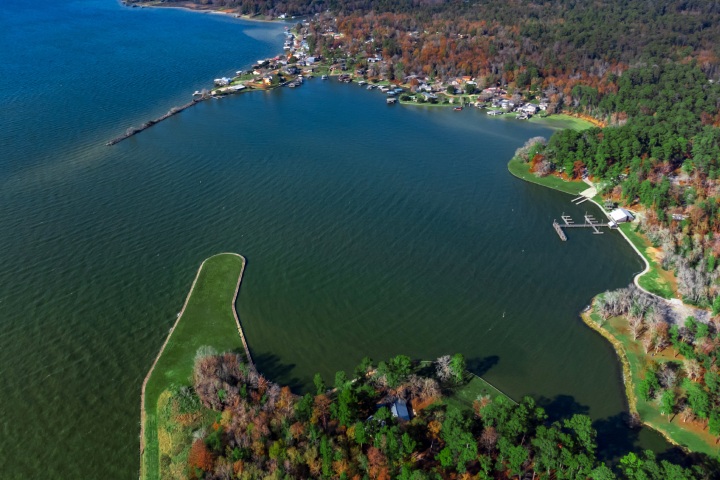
<point>675,421</point>
<point>208,318</point>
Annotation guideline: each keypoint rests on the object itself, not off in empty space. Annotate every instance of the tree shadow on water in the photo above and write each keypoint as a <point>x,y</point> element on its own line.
<point>562,407</point>
<point>270,366</point>
<point>616,437</point>
<point>480,366</point>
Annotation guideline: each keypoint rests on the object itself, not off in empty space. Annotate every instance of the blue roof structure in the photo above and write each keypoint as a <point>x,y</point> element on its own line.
<point>399,409</point>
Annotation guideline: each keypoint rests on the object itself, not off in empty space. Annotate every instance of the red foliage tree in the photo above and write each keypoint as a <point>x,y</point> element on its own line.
<point>200,457</point>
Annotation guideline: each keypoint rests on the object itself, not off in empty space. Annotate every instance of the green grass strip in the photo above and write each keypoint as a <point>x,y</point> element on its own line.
<point>651,281</point>
<point>562,121</point>
<point>522,171</point>
<point>208,318</point>
<point>634,360</point>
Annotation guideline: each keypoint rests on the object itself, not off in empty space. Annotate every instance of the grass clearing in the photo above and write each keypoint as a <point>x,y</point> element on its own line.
<point>691,435</point>
<point>562,121</point>
<point>464,396</point>
<point>656,280</point>
<point>521,170</point>
<point>208,319</point>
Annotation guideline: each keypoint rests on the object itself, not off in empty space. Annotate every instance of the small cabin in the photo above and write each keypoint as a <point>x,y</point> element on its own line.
<point>400,410</point>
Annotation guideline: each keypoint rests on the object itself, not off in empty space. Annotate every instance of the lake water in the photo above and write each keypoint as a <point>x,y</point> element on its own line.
<point>368,229</point>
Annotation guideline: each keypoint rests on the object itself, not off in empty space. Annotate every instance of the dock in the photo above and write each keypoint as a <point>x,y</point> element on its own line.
<point>590,222</point>
<point>135,130</point>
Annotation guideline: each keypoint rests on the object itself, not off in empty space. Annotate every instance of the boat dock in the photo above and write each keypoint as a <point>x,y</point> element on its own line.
<point>590,222</point>
<point>135,130</point>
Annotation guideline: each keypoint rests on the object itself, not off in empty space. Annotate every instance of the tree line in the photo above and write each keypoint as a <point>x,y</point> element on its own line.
<point>234,423</point>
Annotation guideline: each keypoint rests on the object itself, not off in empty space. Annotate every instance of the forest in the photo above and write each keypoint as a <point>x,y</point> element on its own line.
<point>525,42</point>
<point>660,154</point>
<point>234,423</point>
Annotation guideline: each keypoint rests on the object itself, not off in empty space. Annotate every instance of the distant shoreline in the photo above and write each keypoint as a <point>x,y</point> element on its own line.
<point>198,9</point>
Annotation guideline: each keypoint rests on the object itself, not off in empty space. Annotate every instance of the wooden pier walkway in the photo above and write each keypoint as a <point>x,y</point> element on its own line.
<point>559,231</point>
<point>590,222</point>
<point>135,130</point>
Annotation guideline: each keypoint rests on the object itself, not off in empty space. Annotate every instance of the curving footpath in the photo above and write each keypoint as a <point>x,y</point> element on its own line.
<point>143,411</point>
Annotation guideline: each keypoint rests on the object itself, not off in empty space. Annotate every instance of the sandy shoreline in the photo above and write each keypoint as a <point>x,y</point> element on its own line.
<point>190,7</point>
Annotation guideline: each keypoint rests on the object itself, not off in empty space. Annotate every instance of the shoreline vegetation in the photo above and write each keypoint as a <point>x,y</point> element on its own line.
<point>690,436</point>
<point>208,318</point>
<point>215,416</point>
<point>653,279</point>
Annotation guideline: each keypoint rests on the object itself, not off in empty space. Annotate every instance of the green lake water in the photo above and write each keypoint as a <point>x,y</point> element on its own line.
<point>368,230</point>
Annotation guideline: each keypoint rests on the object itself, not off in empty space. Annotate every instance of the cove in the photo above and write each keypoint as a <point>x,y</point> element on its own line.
<point>368,230</point>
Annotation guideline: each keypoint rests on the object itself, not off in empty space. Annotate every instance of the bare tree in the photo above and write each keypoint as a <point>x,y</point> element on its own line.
<point>667,375</point>
<point>636,324</point>
<point>648,342</point>
<point>488,438</point>
<point>524,151</point>
<point>662,338</point>
<point>442,368</point>
<point>692,368</point>
<point>430,389</point>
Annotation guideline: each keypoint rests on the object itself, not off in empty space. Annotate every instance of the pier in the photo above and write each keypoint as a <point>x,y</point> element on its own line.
<point>590,222</point>
<point>135,130</point>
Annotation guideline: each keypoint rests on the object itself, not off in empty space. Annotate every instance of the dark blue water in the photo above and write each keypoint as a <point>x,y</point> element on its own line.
<point>368,229</point>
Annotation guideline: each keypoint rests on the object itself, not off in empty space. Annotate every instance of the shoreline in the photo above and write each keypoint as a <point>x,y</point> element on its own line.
<point>143,410</point>
<point>636,277</point>
<point>627,378</point>
<point>186,8</point>
<point>618,346</point>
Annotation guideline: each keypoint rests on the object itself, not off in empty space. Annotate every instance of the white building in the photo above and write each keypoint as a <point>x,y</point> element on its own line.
<point>620,215</point>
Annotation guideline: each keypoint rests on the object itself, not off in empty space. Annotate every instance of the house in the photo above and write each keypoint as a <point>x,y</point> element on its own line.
<point>620,215</point>
<point>400,410</point>
<point>221,82</point>
<point>530,109</point>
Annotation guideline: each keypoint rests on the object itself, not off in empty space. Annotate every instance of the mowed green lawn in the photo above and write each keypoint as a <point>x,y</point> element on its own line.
<point>521,170</point>
<point>562,121</point>
<point>476,387</point>
<point>207,320</point>
<point>651,281</point>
